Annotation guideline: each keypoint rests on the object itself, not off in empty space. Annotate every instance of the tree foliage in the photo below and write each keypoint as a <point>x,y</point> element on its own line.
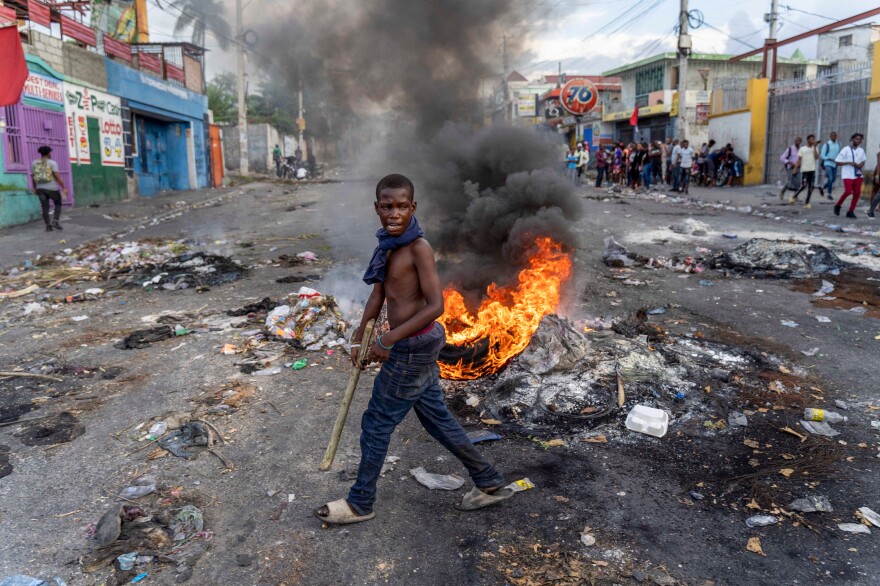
<point>202,16</point>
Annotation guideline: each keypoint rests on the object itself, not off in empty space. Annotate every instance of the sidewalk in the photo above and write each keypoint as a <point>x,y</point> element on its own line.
<point>85,224</point>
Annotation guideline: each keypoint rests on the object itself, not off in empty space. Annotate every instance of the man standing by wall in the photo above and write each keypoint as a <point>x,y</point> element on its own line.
<point>829,153</point>
<point>276,158</point>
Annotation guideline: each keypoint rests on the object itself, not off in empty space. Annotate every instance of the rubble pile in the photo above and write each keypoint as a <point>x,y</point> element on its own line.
<point>781,259</point>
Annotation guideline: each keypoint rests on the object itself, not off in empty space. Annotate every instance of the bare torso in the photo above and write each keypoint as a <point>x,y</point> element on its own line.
<point>403,292</point>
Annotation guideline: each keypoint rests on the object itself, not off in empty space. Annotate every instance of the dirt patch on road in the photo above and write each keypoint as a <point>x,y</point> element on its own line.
<point>852,288</point>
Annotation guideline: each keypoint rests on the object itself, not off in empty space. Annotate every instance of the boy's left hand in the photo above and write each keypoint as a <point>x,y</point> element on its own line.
<point>377,353</point>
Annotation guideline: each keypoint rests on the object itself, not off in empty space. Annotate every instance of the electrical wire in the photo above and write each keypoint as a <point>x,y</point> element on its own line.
<point>732,38</point>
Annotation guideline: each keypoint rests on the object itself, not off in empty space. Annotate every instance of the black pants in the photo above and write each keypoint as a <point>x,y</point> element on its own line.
<point>45,196</point>
<point>600,174</point>
<point>807,180</point>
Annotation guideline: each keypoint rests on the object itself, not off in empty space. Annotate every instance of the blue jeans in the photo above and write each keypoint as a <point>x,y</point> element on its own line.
<point>410,379</point>
<point>647,175</point>
<point>676,177</point>
<point>830,175</point>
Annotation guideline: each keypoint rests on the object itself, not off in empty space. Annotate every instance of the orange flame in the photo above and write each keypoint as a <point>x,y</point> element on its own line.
<point>508,316</point>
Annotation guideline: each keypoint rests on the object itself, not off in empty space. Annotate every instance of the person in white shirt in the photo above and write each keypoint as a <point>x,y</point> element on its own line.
<point>685,158</point>
<point>806,166</point>
<point>850,160</point>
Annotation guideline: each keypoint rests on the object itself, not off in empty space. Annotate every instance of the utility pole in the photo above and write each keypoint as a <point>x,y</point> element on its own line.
<point>507,113</point>
<point>773,20</point>
<point>299,116</point>
<point>242,97</point>
<point>684,49</point>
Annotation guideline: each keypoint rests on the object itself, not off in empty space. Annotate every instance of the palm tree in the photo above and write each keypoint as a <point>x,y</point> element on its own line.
<point>202,16</point>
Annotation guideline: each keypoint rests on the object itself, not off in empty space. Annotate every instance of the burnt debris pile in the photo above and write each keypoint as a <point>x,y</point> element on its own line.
<point>781,259</point>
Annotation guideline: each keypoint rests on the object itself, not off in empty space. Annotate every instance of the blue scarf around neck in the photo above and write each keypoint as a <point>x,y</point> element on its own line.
<point>376,269</point>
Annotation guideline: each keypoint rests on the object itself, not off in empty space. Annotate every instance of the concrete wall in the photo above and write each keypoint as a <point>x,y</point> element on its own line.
<point>84,65</point>
<point>262,138</point>
<point>50,49</point>
<point>734,129</point>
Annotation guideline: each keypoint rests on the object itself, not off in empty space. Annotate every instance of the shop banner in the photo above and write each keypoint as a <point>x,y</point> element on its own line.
<point>43,88</point>
<point>81,103</point>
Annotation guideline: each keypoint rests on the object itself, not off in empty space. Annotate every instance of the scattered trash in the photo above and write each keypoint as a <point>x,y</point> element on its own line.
<point>588,539</point>
<point>521,485</point>
<point>192,433</point>
<point>731,236</point>
<point>826,288</point>
<point>648,420</point>
<point>311,319</point>
<point>737,419</point>
<point>706,283</point>
<point>156,430</point>
<point>811,504</point>
<point>615,255</point>
<point>472,401</point>
<point>437,481</point>
<point>33,307</point>
<point>811,352</point>
<point>482,435</point>
<point>191,270</point>
<point>854,528</point>
<point>79,318</point>
<point>696,495</point>
<point>127,560</point>
<point>138,578</point>
<point>780,258</point>
<point>307,256</point>
<point>823,320</point>
<point>841,404</point>
<point>761,520</point>
<point>858,309</point>
<point>867,514</point>
<point>267,371</point>
<point>691,227</point>
<point>299,364</point>
<point>143,338</point>
<point>754,545</point>
<point>823,415</point>
<point>788,323</point>
<point>133,492</point>
<point>657,311</point>
<point>819,428</point>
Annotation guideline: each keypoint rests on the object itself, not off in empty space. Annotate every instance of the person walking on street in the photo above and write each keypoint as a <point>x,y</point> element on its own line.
<point>48,186</point>
<point>829,153</point>
<point>601,162</point>
<point>571,166</point>
<point>875,180</point>
<point>789,159</point>
<point>851,159</point>
<point>583,154</point>
<point>806,166</point>
<point>276,158</point>
<point>675,164</point>
<point>685,162</point>
<point>670,160</point>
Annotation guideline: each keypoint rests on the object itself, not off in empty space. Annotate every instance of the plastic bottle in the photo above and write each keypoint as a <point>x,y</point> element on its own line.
<point>822,415</point>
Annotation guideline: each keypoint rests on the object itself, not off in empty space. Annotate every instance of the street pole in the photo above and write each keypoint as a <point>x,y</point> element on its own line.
<point>773,19</point>
<point>299,115</point>
<point>684,49</point>
<point>242,97</point>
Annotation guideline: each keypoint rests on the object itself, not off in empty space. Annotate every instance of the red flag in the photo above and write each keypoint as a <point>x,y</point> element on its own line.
<point>39,13</point>
<point>634,119</point>
<point>13,66</point>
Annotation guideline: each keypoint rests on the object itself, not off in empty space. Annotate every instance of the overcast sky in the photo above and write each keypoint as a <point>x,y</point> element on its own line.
<point>566,30</point>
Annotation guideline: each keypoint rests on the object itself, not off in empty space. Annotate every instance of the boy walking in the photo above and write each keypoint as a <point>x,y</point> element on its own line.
<point>806,167</point>
<point>48,186</point>
<point>402,271</point>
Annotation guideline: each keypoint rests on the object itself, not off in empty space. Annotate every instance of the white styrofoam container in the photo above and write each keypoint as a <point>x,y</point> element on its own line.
<point>649,420</point>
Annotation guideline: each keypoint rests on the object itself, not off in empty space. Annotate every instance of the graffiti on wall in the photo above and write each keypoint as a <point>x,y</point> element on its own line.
<point>117,19</point>
<point>81,103</point>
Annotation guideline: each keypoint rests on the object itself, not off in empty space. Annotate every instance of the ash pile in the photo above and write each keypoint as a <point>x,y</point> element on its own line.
<point>571,380</point>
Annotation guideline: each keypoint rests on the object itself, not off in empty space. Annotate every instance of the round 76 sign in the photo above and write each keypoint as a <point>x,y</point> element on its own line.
<point>579,96</point>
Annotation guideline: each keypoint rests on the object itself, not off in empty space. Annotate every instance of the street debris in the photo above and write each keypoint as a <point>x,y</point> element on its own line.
<point>615,255</point>
<point>143,338</point>
<point>57,429</point>
<point>781,259</point>
<point>754,546</point>
<point>648,420</point>
<point>310,320</point>
<point>811,504</point>
<point>22,580</point>
<point>820,428</point>
<point>691,227</point>
<point>854,528</point>
<point>437,481</point>
<point>761,520</point>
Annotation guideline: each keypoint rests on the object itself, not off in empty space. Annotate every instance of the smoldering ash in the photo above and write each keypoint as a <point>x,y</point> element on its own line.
<point>411,73</point>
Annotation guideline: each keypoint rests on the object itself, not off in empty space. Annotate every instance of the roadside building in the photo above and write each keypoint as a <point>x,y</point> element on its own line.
<point>589,128</point>
<point>651,84</point>
<point>847,47</point>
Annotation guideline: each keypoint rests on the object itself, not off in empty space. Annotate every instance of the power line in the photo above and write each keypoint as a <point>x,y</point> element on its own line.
<point>732,38</point>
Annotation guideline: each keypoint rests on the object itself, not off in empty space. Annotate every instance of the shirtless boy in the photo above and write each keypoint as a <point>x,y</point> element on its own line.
<point>402,272</point>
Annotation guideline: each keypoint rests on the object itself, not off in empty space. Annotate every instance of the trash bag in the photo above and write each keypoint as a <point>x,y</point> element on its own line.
<point>143,338</point>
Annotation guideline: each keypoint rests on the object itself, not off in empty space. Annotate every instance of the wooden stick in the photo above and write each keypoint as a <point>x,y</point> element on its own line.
<point>330,454</point>
<point>15,373</point>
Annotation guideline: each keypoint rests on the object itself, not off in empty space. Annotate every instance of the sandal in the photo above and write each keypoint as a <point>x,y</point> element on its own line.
<point>340,513</point>
<point>477,499</point>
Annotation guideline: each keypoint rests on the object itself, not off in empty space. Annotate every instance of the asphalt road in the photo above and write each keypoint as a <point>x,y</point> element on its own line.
<point>628,496</point>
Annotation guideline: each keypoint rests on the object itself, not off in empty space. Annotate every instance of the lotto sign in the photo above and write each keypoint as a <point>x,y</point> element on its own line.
<point>81,103</point>
<point>579,96</point>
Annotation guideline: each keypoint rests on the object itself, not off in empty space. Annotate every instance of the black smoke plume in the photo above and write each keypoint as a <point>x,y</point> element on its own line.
<point>411,71</point>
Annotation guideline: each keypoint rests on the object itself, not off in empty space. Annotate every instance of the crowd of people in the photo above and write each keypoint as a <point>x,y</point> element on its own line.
<point>669,165</point>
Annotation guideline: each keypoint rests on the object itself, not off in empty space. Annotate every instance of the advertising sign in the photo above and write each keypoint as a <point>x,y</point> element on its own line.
<point>579,96</point>
<point>81,103</point>
<point>43,88</point>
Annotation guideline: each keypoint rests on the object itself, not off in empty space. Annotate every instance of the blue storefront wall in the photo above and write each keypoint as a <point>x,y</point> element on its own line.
<point>163,117</point>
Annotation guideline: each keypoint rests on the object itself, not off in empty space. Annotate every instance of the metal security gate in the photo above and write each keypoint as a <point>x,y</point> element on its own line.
<point>836,101</point>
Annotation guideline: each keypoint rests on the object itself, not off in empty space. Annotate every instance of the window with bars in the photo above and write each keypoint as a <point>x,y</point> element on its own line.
<point>13,141</point>
<point>649,79</point>
<point>845,41</point>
